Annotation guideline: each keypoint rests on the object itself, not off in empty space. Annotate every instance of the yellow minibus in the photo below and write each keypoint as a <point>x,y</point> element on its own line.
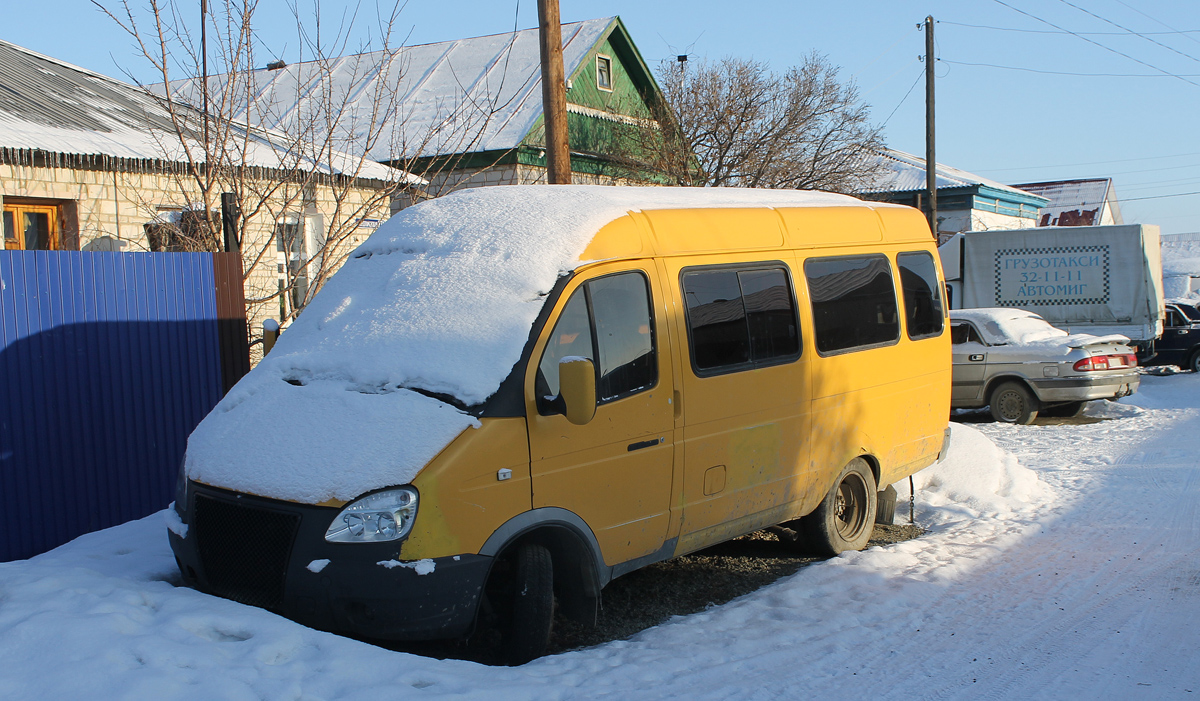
<point>510,396</point>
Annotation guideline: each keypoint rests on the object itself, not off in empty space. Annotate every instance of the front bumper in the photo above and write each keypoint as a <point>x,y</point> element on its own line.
<point>264,552</point>
<point>1077,388</point>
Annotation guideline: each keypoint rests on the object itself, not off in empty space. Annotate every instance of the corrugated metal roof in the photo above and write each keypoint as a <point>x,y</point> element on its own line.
<point>50,106</point>
<point>1079,202</point>
<point>467,95</point>
<point>904,172</point>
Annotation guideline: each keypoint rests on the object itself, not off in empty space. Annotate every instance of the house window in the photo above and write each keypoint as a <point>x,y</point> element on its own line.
<point>603,72</point>
<point>30,227</point>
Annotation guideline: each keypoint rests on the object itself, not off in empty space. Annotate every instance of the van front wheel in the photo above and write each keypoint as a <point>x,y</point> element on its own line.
<point>846,517</point>
<point>531,615</point>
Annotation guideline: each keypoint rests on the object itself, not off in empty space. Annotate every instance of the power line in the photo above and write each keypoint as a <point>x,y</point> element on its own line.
<point>1094,163</point>
<point>1153,19</point>
<point>910,89</point>
<point>1153,41</point>
<point>1185,32</point>
<point>1159,197</point>
<point>1096,43</point>
<point>1081,75</point>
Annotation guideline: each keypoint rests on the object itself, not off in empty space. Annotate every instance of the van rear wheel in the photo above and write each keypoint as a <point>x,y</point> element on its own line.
<point>530,604</point>
<point>846,517</point>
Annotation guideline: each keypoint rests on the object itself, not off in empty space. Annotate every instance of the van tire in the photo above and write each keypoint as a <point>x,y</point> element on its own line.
<point>527,632</point>
<point>845,518</point>
<point>1013,403</point>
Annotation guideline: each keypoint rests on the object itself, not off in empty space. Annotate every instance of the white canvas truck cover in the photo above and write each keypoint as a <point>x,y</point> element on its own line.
<point>1093,279</point>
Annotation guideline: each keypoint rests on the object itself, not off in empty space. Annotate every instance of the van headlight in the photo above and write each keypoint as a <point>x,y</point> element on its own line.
<point>375,518</point>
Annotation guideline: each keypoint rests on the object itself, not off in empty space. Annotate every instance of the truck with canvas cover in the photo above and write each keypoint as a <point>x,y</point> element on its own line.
<point>510,396</point>
<point>1099,280</point>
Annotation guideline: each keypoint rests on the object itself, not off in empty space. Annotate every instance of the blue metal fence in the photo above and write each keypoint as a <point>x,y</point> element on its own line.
<point>107,363</point>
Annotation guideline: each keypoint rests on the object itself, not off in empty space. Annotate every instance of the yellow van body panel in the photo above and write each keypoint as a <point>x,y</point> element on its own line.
<point>732,453</point>
<point>840,227</point>
<point>593,470</point>
<point>463,500</point>
<point>743,433</point>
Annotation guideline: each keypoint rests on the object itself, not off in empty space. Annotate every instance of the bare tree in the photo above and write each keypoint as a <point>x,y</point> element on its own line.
<point>736,123</point>
<point>308,188</point>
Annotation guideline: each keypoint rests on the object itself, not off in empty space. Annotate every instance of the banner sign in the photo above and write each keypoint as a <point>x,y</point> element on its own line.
<point>1064,275</point>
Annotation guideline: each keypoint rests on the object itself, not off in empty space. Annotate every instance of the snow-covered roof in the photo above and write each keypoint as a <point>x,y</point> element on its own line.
<point>53,107</point>
<point>440,299</point>
<point>1181,254</point>
<point>904,172</point>
<point>467,95</point>
<point>1083,201</point>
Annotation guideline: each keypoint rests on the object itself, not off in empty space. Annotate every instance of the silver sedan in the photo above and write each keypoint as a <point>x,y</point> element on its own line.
<point>1019,365</point>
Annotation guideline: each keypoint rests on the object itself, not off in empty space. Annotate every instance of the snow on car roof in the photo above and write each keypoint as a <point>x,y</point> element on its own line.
<point>1003,325</point>
<point>440,299</point>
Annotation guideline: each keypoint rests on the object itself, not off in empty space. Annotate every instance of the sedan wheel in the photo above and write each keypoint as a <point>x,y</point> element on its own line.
<point>1013,403</point>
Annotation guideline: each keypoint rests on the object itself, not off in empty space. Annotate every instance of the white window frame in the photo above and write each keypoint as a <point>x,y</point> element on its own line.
<point>608,59</point>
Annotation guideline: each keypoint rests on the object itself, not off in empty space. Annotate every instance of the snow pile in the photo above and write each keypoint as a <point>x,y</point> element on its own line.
<point>440,299</point>
<point>977,477</point>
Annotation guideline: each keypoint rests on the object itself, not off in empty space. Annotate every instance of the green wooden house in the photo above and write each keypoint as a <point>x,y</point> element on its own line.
<point>469,111</point>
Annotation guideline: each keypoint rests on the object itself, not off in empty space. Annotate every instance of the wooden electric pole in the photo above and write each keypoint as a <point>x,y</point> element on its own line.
<point>930,155</point>
<point>554,94</point>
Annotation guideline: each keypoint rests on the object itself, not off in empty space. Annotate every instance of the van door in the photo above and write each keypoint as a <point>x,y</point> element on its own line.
<point>745,398</point>
<point>615,472</point>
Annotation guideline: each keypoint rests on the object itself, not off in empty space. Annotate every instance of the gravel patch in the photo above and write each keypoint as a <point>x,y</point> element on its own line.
<point>683,585</point>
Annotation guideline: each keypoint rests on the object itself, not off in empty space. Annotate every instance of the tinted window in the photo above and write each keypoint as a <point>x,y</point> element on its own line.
<point>854,302</point>
<point>740,319</point>
<point>769,314</point>
<point>572,336</point>
<point>621,310</point>
<point>922,294</point>
<point>606,318</point>
<point>717,319</point>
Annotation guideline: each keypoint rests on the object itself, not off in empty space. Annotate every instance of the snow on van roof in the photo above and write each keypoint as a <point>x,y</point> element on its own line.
<point>442,296</point>
<point>440,299</point>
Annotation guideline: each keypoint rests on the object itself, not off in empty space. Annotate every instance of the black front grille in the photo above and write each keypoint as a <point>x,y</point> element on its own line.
<point>244,549</point>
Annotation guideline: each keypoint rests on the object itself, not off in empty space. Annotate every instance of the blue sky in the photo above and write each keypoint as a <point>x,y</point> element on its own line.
<point>1027,90</point>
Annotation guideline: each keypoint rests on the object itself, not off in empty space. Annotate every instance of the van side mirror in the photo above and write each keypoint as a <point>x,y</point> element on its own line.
<point>577,388</point>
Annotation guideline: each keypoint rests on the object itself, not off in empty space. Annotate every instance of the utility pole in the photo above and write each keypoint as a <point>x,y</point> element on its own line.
<point>554,94</point>
<point>930,155</point>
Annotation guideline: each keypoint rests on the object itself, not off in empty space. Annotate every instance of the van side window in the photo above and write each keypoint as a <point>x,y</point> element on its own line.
<point>740,319</point>
<point>853,302</point>
<point>922,294</point>
<point>621,315</point>
<point>606,318</point>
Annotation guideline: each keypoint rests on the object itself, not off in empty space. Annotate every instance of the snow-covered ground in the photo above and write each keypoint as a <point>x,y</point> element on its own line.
<point>1061,562</point>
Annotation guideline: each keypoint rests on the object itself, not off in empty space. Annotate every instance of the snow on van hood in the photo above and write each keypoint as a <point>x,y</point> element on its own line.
<point>440,299</point>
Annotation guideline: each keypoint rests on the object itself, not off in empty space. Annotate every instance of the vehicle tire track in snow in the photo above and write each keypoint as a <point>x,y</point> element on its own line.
<point>1156,562</point>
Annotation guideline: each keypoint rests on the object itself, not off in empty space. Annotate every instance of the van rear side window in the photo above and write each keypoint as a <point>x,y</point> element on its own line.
<point>922,294</point>
<point>740,319</point>
<point>853,301</point>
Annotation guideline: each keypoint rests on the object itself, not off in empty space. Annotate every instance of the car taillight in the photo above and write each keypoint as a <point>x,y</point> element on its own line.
<point>1106,362</point>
